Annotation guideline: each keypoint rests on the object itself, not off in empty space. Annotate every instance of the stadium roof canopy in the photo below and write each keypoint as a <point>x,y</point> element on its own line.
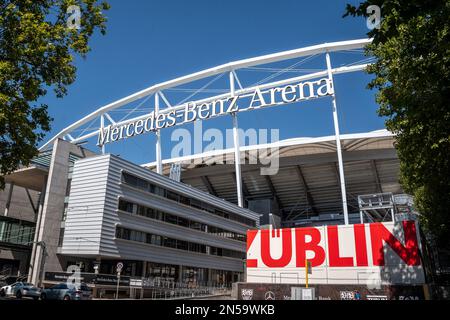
<point>307,182</point>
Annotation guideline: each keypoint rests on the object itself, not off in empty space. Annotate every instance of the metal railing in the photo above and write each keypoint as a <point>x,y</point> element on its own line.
<point>156,288</point>
<point>184,293</point>
<point>172,284</point>
<point>5,273</point>
<point>7,276</point>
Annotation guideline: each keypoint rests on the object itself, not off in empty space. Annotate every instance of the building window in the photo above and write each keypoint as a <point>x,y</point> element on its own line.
<point>69,184</point>
<point>171,219</point>
<point>16,231</point>
<point>139,236</point>
<point>129,179</point>
<point>142,184</point>
<point>173,196</point>
<point>169,242</point>
<point>183,222</point>
<point>196,203</point>
<point>156,240</point>
<point>182,245</point>
<point>136,236</point>
<point>61,237</point>
<point>128,206</point>
<point>207,207</point>
<point>65,211</point>
<point>185,200</point>
<point>196,247</point>
<point>125,206</point>
<point>215,251</point>
<point>197,226</point>
<point>119,233</point>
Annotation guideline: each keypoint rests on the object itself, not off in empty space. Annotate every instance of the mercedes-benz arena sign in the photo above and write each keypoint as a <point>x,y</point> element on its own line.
<point>192,111</point>
<point>367,254</point>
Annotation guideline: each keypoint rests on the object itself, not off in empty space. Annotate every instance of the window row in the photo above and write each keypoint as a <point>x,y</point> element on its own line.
<point>145,211</point>
<point>139,236</point>
<point>149,187</point>
<point>16,233</point>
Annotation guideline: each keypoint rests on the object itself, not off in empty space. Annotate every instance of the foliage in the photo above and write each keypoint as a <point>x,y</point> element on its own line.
<point>412,76</point>
<point>37,48</point>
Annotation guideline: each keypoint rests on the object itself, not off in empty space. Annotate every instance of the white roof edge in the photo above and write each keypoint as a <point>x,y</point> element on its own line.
<point>382,133</point>
<point>235,65</point>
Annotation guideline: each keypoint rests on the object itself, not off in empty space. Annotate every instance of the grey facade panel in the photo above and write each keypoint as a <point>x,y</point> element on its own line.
<point>173,231</point>
<point>143,251</point>
<point>94,215</point>
<point>86,207</point>
<point>20,206</point>
<point>185,189</point>
<point>157,202</point>
<point>48,229</point>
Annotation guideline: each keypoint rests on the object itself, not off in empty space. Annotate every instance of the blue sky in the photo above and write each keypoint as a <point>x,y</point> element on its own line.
<point>148,42</point>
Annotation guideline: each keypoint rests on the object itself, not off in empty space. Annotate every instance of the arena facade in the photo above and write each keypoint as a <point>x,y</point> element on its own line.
<point>183,221</point>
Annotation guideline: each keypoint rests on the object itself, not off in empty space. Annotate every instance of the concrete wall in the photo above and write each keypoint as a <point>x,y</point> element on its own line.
<point>50,222</point>
<point>20,207</point>
<point>21,255</point>
<point>91,224</point>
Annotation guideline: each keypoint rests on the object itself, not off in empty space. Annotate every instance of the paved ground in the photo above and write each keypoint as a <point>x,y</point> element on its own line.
<point>211,297</point>
<point>12,298</point>
<point>218,297</point>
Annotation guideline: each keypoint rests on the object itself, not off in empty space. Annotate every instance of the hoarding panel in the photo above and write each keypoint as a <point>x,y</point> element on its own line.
<point>369,254</point>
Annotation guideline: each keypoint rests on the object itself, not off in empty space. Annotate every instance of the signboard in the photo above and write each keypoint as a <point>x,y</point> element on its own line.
<point>112,280</point>
<point>307,293</point>
<point>246,294</point>
<point>368,254</point>
<point>119,267</point>
<point>285,291</point>
<point>136,283</point>
<point>302,293</point>
<point>88,278</point>
<point>214,107</point>
<point>373,297</point>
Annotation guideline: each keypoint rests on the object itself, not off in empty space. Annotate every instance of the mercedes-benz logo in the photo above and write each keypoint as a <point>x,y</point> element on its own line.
<point>269,295</point>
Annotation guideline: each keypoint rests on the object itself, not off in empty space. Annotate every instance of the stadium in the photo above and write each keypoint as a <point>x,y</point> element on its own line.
<point>306,186</point>
<point>180,224</point>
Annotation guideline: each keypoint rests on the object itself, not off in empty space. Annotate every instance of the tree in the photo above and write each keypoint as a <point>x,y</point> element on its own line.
<point>38,41</point>
<point>412,75</point>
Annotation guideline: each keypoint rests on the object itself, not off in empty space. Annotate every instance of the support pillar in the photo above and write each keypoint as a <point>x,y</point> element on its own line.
<point>180,274</point>
<point>102,126</point>
<point>338,142</point>
<point>158,137</point>
<point>35,246</point>
<point>144,277</point>
<point>237,154</point>
<point>8,200</point>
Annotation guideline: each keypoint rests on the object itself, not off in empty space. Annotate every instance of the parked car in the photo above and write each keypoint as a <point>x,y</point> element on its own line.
<point>19,290</point>
<point>64,291</point>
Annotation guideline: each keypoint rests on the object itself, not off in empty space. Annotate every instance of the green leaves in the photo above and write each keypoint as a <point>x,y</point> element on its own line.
<point>412,76</point>
<point>36,52</point>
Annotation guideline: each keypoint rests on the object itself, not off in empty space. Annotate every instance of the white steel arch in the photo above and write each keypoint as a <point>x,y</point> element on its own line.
<point>230,69</point>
